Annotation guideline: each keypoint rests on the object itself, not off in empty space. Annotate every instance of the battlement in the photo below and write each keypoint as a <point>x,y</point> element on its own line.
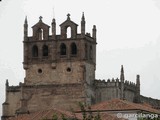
<point>130,86</point>
<point>129,83</point>
<point>115,83</point>
<point>109,83</point>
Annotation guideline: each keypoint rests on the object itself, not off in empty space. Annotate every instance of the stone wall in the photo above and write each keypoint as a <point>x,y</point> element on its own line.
<point>12,102</point>
<point>107,90</point>
<point>111,89</point>
<point>89,76</point>
<point>43,97</point>
<point>64,96</point>
<point>65,72</point>
<point>130,91</point>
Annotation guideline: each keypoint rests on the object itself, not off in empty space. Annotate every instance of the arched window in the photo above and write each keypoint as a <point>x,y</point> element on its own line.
<point>68,32</point>
<point>40,34</point>
<point>34,51</point>
<point>45,50</point>
<point>63,50</point>
<point>90,52</point>
<point>73,49</point>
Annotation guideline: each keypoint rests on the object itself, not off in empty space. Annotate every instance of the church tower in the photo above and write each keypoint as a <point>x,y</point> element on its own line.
<point>59,59</point>
<point>59,69</point>
<point>67,59</point>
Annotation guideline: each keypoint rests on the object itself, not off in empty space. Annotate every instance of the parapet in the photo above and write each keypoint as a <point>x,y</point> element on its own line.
<point>109,83</point>
<point>130,85</point>
<point>115,83</point>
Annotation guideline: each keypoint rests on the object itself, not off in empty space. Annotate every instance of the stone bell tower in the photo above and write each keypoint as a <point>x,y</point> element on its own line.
<point>59,69</point>
<point>59,59</point>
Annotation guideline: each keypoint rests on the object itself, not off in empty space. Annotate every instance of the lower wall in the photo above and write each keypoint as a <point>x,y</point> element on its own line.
<point>60,96</point>
<point>42,97</point>
<point>129,95</point>
<point>12,102</point>
<point>107,93</point>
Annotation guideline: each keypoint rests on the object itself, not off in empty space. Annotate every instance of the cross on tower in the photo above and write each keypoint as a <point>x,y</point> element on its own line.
<point>40,18</point>
<point>68,16</point>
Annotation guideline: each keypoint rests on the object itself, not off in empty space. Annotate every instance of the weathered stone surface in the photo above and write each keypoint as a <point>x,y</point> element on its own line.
<point>60,73</point>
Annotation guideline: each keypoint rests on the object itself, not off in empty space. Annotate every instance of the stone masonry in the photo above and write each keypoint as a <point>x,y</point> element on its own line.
<point>60,72</point>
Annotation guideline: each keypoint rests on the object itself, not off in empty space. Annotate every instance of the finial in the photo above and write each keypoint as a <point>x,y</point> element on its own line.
<point>122,68</point>
<point>138,79</point>
<point>40,18</point>
<point>7,83</point>
<point>122,74</point>
<point>53,20</point>
<point>25,20</point>
<point>68,16</point>
<point>83,18</point>
<point>94,26</point>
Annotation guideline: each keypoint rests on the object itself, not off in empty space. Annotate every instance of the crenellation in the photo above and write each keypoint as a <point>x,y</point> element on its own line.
<point>130,87</point>
<point>117,80</point>
<point>109,83</point>
<point>103,80</point>
<point>113,80</point>
<point>129,83</point>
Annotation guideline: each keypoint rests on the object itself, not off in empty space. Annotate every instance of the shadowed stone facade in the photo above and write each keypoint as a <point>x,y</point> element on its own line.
<point>60,72</point>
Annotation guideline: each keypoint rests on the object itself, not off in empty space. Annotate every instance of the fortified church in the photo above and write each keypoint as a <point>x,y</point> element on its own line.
<point>60,72</point>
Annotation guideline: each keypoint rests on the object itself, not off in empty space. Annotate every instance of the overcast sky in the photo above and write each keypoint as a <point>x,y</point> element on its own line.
<point>128,33</point>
